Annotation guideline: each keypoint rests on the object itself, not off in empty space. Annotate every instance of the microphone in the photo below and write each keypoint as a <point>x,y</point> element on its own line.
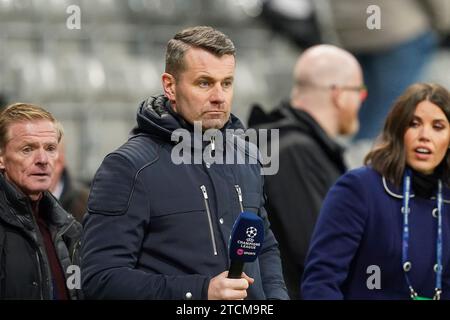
<point>245,242</point>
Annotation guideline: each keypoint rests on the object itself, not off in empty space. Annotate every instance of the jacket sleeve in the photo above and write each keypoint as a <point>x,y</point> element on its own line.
<point>270,263</point>
<point>336,239</point>
<point>118,218</point>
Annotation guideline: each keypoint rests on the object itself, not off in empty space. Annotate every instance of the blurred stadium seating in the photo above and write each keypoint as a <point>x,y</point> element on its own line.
<point>93,78</point>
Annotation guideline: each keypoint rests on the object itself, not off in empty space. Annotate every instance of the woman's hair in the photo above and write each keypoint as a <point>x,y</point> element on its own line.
<point>388,155</point>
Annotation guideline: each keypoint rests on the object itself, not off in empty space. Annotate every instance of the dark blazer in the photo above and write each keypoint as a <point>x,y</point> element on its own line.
<point>74,196</point>
<point>360,226</point>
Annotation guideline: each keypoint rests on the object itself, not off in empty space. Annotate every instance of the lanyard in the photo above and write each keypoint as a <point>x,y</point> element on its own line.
<point>407,264</point>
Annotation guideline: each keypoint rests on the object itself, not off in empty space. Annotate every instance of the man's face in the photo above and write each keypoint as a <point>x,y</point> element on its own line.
<point>204,90</point>
<point>29,155</point>
<point>427,138</point>
<point>350,102</point>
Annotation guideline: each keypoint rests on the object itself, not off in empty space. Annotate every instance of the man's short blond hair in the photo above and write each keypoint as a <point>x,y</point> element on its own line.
<point>24,112</point>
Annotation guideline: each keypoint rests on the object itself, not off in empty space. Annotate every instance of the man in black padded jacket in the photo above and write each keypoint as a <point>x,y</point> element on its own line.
<point>324,103</point>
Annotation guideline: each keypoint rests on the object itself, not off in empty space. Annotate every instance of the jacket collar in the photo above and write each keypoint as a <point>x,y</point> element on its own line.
<point>156,117</point>
<point>397,191</point>
<point>19,212</point>
<point>305,122</point>
<point>13,195</point>
<point>288,119</point>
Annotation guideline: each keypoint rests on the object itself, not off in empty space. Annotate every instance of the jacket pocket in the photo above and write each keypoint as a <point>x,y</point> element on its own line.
<point>239,194</point>
<point>185,219</point>
<point>248,201</point>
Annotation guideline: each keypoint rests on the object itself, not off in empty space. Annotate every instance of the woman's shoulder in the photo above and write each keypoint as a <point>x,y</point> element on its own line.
<point>358,182</point>
<point>365,173</point>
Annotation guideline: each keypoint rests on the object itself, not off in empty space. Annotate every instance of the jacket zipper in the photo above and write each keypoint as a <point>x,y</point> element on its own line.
<point>213,146</point>
<point>239,192</point>
<point>59,235</point>
<point>38,260</point>
<point>208,212</point>
<point>41,286</point>
<point>61,232</point>
<point>38,257</point>
<point>75,247</point>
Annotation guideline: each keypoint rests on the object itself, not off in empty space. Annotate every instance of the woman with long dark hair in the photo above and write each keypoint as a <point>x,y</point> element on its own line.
<point>384,229</point>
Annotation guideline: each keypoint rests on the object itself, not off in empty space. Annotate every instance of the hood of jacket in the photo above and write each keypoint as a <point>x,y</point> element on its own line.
<point>156,117</point>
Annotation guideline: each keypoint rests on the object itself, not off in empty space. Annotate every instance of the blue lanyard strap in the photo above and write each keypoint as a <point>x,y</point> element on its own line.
<point>406,265</point>
<point>439,241</point>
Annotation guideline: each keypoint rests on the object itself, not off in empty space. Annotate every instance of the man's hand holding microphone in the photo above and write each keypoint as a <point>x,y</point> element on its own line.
<point>246,241</point>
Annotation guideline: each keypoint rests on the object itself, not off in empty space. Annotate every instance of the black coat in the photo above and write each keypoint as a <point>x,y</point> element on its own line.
<point>151,234</point>
<point>24,267</point>
<point>309,164</point>
<point>74,196</point>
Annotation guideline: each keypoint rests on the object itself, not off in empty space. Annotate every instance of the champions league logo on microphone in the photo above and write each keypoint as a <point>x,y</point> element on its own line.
<point>247,236</point>
<point>245,242</point>
<point>251,233</point>
<point>249,243</point>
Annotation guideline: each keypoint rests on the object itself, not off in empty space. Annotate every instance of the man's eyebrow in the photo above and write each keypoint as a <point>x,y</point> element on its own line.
<point>208,77</point>
<point>30,142</point>
<point>27,143</point>
<point>204,76</point>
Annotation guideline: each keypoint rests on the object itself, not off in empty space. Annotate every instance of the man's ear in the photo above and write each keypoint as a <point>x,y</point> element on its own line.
<point>168,83</point>
<point>336,96</point>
